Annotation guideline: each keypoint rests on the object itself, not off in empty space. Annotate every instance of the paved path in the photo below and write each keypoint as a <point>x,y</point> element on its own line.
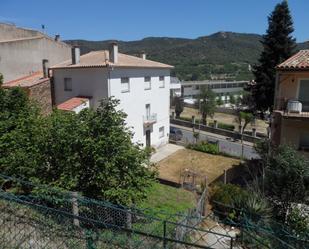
<point>226,146</point>
<point>164,152</point>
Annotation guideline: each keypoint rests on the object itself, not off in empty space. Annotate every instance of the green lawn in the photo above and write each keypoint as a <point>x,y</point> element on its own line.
<point>163,200</point>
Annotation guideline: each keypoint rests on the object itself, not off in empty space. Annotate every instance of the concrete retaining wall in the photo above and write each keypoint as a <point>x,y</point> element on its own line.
<point>218,131</point>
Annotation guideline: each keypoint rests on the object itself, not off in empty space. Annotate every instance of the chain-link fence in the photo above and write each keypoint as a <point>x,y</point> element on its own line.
<point>36,216</point>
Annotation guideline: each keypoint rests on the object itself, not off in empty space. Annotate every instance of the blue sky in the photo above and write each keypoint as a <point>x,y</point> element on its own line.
<point>136,19</point>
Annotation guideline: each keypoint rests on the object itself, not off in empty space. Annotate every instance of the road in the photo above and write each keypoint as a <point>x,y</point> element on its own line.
<point>226,146</point>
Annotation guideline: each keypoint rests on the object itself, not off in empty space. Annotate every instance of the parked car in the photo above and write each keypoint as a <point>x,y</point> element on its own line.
<point>175,134</point>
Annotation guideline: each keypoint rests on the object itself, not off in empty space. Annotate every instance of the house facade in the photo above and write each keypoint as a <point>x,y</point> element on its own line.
<point>290,122</point>
<point>141,85</point>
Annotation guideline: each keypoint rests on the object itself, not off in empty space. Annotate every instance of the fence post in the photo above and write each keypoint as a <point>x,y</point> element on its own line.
<point>75,208</point>
<point>225,176</point>
<point>253,132</point>
<point>216,124</point>
<point>231,246</point>
<point>193,123</point>
<point>164,235</point>
<point>129,225</point>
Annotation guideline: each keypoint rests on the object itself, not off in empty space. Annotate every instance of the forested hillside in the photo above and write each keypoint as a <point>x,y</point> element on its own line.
<point>220,55</point>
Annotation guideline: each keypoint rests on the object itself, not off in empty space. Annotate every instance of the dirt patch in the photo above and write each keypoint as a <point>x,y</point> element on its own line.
<point>208,165</point>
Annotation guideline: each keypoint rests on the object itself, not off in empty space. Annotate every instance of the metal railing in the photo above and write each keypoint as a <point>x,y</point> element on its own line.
<point>38,216</point>
<point>149,119</point>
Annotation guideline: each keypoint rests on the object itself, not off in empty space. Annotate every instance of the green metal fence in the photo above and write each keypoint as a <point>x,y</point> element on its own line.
<point>35,216</point>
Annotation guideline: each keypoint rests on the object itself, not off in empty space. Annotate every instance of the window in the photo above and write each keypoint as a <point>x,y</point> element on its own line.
<point>125,84</point>
<point>68,84</point>
<point>161,132</point>
<point>304,141</point>
<point>147,83</point>
<point>303,94</point>
<point>161,81</point>
<point>148,111</point>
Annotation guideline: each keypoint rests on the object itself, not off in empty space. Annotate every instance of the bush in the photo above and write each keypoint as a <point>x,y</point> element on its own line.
<point>224,126</point>
<point>205,147</point>
<point>227,195</point>
<point>230,200</point>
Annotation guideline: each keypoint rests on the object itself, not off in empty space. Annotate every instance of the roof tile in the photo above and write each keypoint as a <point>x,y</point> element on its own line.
<point>72,103</point>
<point>299,61</point>
<point>101,59</point>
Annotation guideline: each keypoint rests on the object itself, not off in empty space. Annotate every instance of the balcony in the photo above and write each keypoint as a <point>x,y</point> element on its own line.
<point>281,106</point>
<point>150,119</point>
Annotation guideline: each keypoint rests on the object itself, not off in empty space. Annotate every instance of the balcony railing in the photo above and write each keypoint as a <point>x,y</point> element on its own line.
<point>150,119</point>
<point>281,105</point>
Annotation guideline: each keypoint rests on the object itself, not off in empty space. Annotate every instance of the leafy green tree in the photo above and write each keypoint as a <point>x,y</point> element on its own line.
<point>219,101</point>
<point>179,106</point>
<point>92,153</point>
<point>286,178</point>
<point>243,119</point>
<point>19,133</point>
<point>206,103</point>
<point>278,45</point>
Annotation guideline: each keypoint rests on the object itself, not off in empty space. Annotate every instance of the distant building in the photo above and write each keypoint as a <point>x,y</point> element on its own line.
<point>141,85</point>
<point>22,51</point>
<point>224,89</point>
<point>290,122</point>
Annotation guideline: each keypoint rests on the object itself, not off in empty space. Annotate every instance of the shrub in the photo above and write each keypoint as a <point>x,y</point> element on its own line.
<point>227,195</point>
<point>231,200</point>
<point>298,222</point>
<point>226,126</point>
<point>205,147</point>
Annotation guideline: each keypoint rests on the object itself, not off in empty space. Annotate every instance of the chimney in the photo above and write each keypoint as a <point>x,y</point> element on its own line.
<point>113,52</point>
<point>45,68</point>
<point>75,55</point>
<point>143,55</point>
<point>57,37</point>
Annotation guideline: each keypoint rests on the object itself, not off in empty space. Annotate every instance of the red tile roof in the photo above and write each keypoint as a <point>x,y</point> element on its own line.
<point>299,61</point>
<point>26,81</point>
<point>72,103</point>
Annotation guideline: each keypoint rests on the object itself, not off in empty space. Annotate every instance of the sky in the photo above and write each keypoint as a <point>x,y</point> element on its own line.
<point>136,19</point>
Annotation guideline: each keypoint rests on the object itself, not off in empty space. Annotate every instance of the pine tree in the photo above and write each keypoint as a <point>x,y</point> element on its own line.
<point>278,45</point>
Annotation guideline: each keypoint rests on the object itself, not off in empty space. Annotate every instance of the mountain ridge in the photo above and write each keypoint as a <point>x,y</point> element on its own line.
<point>219,55</point>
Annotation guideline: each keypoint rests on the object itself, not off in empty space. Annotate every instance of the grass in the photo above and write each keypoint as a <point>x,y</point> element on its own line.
<point>205,165</point>
<point>165,199</point>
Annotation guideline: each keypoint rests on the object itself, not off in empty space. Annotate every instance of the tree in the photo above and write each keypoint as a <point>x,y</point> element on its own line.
<point>278,45</point>
<point>243,119</point>
<point>19,133</point>
<point>286,178</point>
<point>179,106</point>
<point>206,103</point>
<point>92,153</point>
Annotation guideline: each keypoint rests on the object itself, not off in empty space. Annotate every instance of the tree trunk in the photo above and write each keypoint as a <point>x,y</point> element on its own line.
<point>204,117</point>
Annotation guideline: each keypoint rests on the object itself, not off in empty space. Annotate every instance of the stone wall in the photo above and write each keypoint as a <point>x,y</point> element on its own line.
<point>41,95</point>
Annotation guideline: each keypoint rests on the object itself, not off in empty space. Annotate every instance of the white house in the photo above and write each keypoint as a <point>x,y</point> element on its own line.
<point>141,85</point>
